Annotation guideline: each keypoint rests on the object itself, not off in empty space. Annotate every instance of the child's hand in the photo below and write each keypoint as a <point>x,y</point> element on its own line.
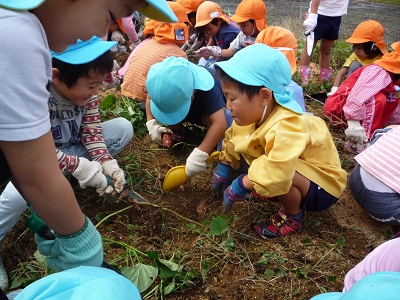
<point>235,192</point>
<point>355,134</point>
<point>83,248</point>
<point>310,23</point>
<point>333,90</point>
<point>90,173</point>
<point>155,131</point>
<point>221,177</point>
<point>196,162</point>
<point>208,51</point>
<point>111,169</point>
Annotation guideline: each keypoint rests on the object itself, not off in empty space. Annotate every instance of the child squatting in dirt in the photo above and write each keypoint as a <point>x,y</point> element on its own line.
<point>290,154</point>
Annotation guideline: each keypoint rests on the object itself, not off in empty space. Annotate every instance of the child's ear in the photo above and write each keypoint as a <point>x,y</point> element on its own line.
<point>265,96</point>
<point>219,22</point>
<point>56,76</point>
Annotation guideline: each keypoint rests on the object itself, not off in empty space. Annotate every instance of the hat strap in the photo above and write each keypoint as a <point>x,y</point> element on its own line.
<point>263,115</point>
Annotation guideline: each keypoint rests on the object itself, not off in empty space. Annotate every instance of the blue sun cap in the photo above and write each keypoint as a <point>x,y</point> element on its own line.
<point>261,65</point>
<point>21,4</point>
<point>83,52</point>
<point>170,85</point>
<point>379,285</point>
<point>89,283</point>
<point>159,10</point>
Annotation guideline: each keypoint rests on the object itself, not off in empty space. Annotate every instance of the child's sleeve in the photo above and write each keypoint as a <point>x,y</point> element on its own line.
<point>91,132</point>
<point>272,173</point>
<point>228,153</point>
<point>350,60</point>
<point>372,80</point>
<point>67,163</point>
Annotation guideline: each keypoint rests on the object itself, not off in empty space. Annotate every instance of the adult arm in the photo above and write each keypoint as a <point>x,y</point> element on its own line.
<point>38,178</point>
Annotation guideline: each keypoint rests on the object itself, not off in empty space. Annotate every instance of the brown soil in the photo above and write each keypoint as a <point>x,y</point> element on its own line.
<point>303,264</point>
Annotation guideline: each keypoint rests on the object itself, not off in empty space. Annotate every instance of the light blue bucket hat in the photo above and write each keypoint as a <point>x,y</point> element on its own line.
<point>379,285</point>
<point>261,65</point>
<point>155,9</point>
<point>81,283</point>
<point>84,52</point>
<point>20,4</point>
<point>170,85</point>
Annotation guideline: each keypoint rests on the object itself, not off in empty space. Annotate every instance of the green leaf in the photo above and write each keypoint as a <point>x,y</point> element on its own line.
<point>218,226</point>
<point>229,244</point>
<point>166,268</point>
<point>269,273</point>
<point>307,240</point>
<point>169,288</point>
<point>340,241</point>
<point>108,102</point>
<point>141,275</point>
<point>41,259</point>
<point>332,278</point>
<point>152,255</point>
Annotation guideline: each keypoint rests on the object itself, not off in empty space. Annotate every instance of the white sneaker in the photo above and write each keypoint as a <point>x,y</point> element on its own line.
<point>3,276</point>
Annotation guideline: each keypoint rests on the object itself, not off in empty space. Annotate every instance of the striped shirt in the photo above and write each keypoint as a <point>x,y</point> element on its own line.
<point>382,159</point>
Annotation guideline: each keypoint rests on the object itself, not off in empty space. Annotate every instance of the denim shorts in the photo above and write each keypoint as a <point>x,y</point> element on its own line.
<point>384,207</point>
<point>317,199</point>
<point>327,28</point>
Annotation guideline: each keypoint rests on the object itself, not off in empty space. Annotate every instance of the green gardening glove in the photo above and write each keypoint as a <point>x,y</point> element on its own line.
<point>83,248</point>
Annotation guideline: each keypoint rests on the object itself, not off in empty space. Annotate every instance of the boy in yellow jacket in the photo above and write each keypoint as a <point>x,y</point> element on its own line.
<point>290,155</point>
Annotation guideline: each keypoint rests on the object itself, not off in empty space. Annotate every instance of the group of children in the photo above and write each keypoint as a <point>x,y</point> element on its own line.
<point>252,109</point>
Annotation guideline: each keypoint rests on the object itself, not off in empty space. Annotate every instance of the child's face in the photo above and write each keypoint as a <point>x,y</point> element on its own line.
<point>65,21</point>
<point>359,51</point>
<point>211,29</point>
<point>244,111</point>
<point>247,28</point>
<point>82,90</point>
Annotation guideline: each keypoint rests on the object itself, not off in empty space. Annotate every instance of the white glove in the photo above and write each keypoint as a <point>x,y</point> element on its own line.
<point>112,170</point>
<point>196,162</point>
<point>355,134</point>
<point>155,131</point>
<point>333,90</point>
<point>117,36</point>
<point>90,173</point>
<point>310,23</point>
<point>208,51</point>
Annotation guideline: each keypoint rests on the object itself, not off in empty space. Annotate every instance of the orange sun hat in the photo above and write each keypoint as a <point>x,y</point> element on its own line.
<point>281,39</point>
<point>190,5</point>
<point>391,61</point>
<point>369,31</point>
<point>163,32</point>
<point>207,11</point>
<point>251,9</point>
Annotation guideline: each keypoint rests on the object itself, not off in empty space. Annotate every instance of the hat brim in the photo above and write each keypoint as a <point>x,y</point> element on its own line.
<point>159,10</point>
<point>238,19</point>
<point>20,4</point>
<point>89,51</point>
<point>202,80</point>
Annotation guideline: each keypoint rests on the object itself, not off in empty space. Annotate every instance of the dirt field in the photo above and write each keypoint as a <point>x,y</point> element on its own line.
<point>294,267</point>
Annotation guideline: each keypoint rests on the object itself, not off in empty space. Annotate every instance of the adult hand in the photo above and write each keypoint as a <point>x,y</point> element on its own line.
<point>221,177</point>
<point>90,173</point>
<point>111,169</point>
<point>235,192</point>
<point>155,131</point>
<point>310,23</point>
<point>196,162</point>
<point>208,51</point>
<point>83,248</point>
<point>333,90</point>
<point>355,134</point>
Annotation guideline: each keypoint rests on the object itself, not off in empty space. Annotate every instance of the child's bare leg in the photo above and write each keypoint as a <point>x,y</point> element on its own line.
<point>298,191</point>
<point>325,49</point>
